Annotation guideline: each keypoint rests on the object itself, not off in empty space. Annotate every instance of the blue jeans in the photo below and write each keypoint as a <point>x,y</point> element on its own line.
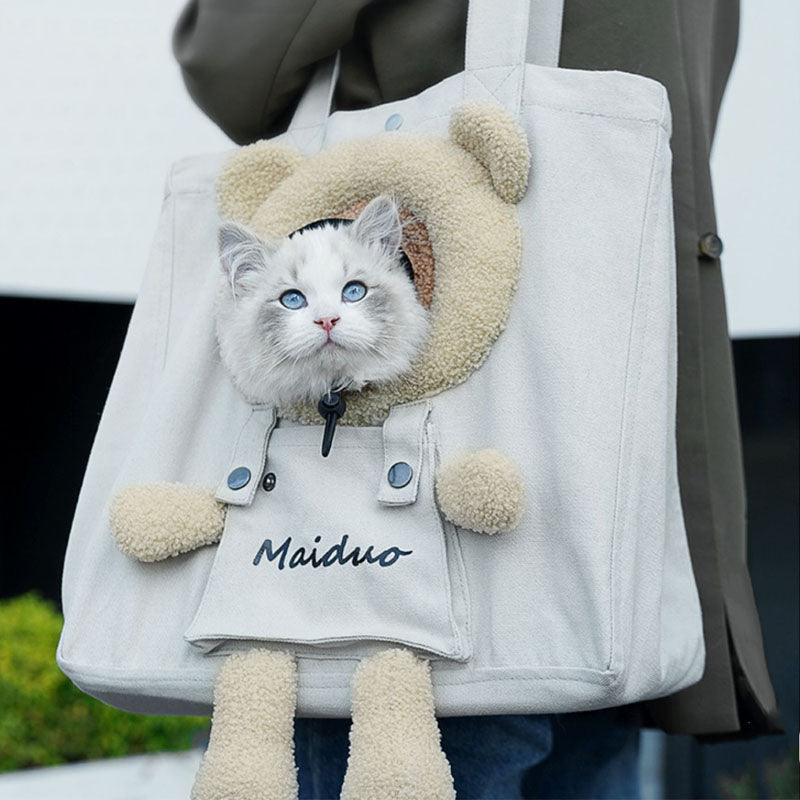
<point>592,754</point>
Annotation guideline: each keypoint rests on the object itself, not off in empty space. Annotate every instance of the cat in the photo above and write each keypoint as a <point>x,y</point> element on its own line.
<point>329,308</point>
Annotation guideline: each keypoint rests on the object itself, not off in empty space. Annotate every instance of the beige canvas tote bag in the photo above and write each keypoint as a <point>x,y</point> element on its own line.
<point>590,600</point>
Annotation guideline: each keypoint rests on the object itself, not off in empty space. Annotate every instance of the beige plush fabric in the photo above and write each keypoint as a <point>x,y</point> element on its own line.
<point>250,754</point>
<point>251,175</point>
<point>462,190</point>
<point>498,142</point>
<point>152,521</point>
<point>480,490</point>
<point>395,750</point>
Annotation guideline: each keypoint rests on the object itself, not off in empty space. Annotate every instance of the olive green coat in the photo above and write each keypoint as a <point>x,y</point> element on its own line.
<point>246,66</point>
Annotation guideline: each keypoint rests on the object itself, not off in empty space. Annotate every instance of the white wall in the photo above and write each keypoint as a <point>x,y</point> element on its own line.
<point>94,111</point>
<point>756,171</point>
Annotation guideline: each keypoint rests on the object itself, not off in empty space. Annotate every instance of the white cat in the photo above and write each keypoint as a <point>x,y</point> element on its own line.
<point>327,309</point>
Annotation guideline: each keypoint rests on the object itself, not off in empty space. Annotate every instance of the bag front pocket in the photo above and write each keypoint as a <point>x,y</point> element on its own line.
<point>317,559</point>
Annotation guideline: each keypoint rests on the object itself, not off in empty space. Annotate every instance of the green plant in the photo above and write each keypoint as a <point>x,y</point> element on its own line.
<point>44,719</point>
<point>781,778</point>
<point>740,787</point>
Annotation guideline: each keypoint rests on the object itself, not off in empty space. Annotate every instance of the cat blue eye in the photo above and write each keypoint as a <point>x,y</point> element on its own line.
<point>353,291</point>
<point>293,299</point>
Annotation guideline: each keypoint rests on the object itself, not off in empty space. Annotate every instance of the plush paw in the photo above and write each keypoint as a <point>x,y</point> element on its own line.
<point>395,744</point>
<point>152,521</point>
<point>250,753</point>
<point>480,490</point>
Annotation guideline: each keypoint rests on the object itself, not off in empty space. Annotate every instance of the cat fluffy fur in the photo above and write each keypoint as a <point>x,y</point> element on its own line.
<point>279,356</point>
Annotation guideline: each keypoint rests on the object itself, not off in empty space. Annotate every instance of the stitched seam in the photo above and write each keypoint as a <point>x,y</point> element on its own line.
<point>445,566</point>
<point>468,47</point>
<point>232,460</point>
<point>616,524</point>
<point>505,77</point>
<point>183,192</point>
<point>264,448</point>
<point>169,298</point>
<point>309,142</point>
<point>521,59</point>
<point>384,497</point>
<point>657,121</point>
<point>219,637</point>
<point>497,88</point>
<point>135,676</point>
<point>457,577</point>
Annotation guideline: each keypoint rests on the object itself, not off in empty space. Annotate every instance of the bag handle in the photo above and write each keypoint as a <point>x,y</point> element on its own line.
<point>544,32</point>
<point>502,36</point>
<point>315,104</point>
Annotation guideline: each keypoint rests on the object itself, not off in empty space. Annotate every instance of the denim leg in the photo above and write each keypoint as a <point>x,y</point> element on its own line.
<point>321,747</point>
<point>591,754</point>
<point>595,755</point>
<point>489,756</point>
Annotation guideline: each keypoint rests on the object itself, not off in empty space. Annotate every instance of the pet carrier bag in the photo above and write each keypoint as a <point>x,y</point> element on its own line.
<point>510,511</point>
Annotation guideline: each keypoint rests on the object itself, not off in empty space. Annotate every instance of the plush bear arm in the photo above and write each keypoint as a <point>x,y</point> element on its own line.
<point>480,490</point>
<point>153,521</point>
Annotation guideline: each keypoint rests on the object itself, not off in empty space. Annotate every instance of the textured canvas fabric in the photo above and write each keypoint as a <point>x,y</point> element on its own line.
<point>591,602</point>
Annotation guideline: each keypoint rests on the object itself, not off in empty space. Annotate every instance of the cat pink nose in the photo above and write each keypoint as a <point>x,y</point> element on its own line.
<point>326,323</point>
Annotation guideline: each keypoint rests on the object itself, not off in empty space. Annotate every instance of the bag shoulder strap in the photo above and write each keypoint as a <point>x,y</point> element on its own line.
<point>502,36</point>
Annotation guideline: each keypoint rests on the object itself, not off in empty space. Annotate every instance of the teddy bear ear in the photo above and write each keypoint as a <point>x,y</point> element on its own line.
<point>488,132</point>
<point>250,175</point>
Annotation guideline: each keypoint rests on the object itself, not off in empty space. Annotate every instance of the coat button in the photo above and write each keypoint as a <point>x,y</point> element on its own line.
<point>399,474</point>
<point>393,122</point>
<point>239,478</point>
<point>269,482</point>
<point>710,245</point>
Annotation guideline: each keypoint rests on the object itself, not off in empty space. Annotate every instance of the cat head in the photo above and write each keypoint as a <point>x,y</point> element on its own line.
<point>328,308</point>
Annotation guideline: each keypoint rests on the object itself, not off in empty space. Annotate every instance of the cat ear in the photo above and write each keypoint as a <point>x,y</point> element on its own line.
<point>379,223</point>
<point>241,251</point>
<point>497,141</point>
<point>250,174</point>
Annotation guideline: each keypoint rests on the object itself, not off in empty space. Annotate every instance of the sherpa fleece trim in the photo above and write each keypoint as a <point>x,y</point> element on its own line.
<point>153,521</point>
<point>498,142</point>
<point>480,490</point>
<point>452,187</point>
<point>250,753</point>
<point>395,744</point>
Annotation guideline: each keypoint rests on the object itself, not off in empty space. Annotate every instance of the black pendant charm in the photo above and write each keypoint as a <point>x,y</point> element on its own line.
<point>331,407</point>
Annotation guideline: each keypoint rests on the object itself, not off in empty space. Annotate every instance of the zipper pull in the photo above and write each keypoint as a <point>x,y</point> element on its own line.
<point>331,407</point>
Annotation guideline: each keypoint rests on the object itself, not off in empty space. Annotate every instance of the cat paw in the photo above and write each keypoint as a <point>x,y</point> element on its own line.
<point>480,490</point>
<point>152,521</point>
<point>395,744</point>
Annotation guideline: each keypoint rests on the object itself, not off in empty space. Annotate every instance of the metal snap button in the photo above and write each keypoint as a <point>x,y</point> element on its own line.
<point>399,474</point>
<point>710,245</point>
<point>239,478</point>
<point>269,482</point>
<point>393,122</point>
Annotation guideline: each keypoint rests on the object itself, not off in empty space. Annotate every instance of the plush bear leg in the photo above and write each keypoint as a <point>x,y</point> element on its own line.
<point>250,754</point>
<point>395,750</point>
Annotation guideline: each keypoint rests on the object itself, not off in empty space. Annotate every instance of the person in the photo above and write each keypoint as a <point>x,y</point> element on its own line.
<point>246,67</point>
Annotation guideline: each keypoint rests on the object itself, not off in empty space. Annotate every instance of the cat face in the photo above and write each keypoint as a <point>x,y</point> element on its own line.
<point>328,309</point>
